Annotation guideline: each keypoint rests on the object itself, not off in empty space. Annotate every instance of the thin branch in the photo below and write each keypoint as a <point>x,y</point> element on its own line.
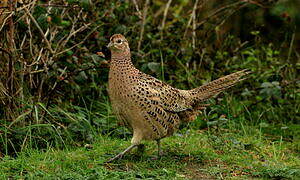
<point>255,3</point>
<point>194,25</point>
<point>73,32</point>
<point>165,17</point>
<point>40,30</point>
<point>11,60</point>
<point>220,10</point>
<point>145,11</point>
<point>137,9</point>
<point>30,36</point>
<point>47,14</point>
<point>6,51</point>
<point>48,5</point>
<point>232,12</point>
<point>4,21</point>
<point>87,36</point>
<point>291,44</point>
<point>60,6</point>
<point>32,4</point>
<point>61,74</point>
<point>225,17</point>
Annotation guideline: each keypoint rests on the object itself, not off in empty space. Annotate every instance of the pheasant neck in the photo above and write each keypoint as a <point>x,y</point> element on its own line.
<point>121,60</point>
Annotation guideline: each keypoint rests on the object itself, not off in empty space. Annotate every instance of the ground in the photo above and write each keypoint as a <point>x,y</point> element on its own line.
<point>213,153</point>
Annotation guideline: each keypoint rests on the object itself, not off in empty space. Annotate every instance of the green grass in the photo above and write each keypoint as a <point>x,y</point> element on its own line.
<point>229,141</point>
<point>210,153</point>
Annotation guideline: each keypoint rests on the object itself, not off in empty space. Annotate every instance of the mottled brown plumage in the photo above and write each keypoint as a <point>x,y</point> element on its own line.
<point>149,107</point>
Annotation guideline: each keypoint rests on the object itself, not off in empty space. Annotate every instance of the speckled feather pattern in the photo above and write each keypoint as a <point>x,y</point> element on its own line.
<point>149,107</point>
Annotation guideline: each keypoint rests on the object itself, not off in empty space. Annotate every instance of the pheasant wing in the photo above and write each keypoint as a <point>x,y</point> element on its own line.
<point>162,94</point>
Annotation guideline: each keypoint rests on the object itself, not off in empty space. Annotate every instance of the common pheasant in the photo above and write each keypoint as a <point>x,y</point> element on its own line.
<point>150,108</point>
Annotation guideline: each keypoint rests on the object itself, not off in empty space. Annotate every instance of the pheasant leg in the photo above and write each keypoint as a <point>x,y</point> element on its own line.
<point>120,155</point>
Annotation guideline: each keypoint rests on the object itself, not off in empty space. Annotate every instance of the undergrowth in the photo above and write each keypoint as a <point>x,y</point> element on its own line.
<point>56,120</point>
<point>216,152</point>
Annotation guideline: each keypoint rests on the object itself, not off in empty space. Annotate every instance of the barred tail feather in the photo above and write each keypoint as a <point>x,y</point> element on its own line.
<point>206,91</point>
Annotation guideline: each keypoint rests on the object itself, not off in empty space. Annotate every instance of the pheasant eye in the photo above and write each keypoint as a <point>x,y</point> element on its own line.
<point>119,41</point>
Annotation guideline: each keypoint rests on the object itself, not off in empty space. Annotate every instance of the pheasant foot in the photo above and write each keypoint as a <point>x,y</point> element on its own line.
<point>120,155</point>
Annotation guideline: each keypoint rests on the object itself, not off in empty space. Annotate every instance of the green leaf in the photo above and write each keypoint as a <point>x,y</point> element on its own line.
<point>65,23</point>
<point>154,67</point>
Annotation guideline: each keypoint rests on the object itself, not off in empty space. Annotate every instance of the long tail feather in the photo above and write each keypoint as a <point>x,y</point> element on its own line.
<point>206,91</point>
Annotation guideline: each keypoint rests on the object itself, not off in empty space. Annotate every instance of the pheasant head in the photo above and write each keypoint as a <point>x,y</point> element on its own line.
<point>118,44</point>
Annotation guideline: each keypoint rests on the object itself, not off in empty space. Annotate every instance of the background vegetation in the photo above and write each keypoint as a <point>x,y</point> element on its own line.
<point>53,79</point>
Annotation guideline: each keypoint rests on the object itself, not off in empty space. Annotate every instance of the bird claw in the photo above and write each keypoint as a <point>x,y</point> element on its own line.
<point>119,156</point>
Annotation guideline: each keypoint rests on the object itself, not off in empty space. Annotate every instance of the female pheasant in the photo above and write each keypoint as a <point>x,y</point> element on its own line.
<point>150,108</point>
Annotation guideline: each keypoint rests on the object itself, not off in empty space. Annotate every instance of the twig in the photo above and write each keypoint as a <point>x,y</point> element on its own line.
<point>164,18</point>
<point>187,26</point>
<point>73,32</point>
<point>11,45</point>
<point>291,44</point>
<point>5,51</point>
<point>158,12</point>
<point>10,71</point>
<point>45,5</point>
<point>47,14</point>
<point>224,17</point>
<point>32,3</point>
<point>231,13</point>
<point>87,36</point>
<point>255,3</point>
<point>30,37</point>
<point>137,9</point>
<point>59,5</point>
<point>40,30</point>
<point>145,11</point>
<point>4,20</point>
<point>62,73</point>
<point>241,45</point>
<point>194,25</point>
<point>56,30</point>
<point>220,10</point>
<point>193,17</point>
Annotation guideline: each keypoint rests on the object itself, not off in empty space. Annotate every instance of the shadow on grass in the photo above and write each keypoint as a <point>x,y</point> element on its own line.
<point>168,159</point>
<point>173,163</point>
